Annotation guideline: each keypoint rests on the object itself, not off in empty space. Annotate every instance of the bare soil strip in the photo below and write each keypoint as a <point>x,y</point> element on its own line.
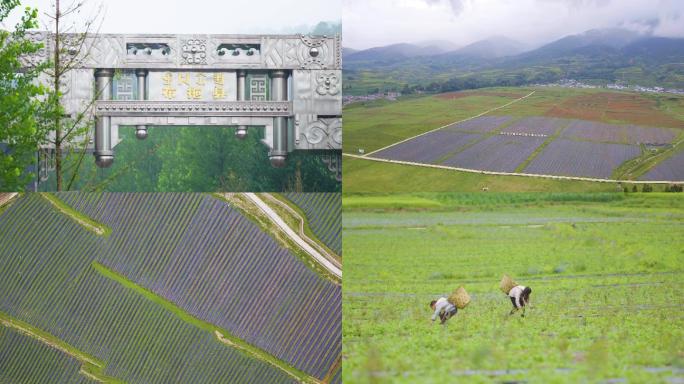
<point>6,197</point>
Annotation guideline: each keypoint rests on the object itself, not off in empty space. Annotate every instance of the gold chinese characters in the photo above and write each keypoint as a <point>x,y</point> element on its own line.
<point>194,85</point>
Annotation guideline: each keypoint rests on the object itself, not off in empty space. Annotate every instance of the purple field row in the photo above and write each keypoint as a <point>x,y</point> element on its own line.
<point>671,169</point>
<point>47,279</point>
<point>428,148</point>
<point>499,153</point>
<point>482,124</point>
<point>581,158</point>
<point>625,134</point>
<point>536,125</point>
<point>205,256</point>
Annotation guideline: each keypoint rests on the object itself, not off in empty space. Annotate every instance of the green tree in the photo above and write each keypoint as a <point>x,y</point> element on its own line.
<point>20,133</point>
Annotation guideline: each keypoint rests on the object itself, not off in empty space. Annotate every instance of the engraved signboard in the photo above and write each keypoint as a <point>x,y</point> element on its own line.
<point>192,85</point>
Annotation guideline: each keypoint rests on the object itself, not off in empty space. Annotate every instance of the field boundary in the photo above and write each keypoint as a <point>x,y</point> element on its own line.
<point>452,123</point>
<point>86,222</point>
<point>495,173</point>
<point>91,367</point>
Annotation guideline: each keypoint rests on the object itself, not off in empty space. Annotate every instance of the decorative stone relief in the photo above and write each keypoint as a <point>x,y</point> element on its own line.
<point>42,54</point>
<point>258,86</point>
<point>194,51</point>
<point>317,92</point>
<point>180,108</point>
<point>318,133</point>
<point>327,83</point>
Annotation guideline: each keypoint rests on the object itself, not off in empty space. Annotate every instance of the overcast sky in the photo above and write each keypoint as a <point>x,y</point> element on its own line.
<point>202,16</point>
<point>370,23</point>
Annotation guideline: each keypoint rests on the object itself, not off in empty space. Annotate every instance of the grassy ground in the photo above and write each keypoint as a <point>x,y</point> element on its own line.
<point>605,272</point>
<point>372,176</point>
<point>373,125</point>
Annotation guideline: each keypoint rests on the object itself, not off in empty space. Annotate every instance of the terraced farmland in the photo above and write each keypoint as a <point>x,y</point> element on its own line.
<point>430,147</point>
<point>500,153</point>
<point>647,125</point>
<point>193,250</point>
<point>624,134</point>
<point>669,169</point>
<point>583,148</point>
<point>324,214</point>
<point>581,158</point>
<point>536,125</point>
<point>24,359</point>
<point>484,124</point>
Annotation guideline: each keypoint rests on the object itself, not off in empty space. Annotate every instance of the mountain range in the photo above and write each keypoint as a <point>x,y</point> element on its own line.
<point>595,56</point>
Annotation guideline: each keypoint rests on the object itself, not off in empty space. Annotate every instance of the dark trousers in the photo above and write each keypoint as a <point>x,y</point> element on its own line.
<point>446,315</point>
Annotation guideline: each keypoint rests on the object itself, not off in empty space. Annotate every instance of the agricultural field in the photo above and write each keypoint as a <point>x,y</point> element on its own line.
<point>605,272</point>
<point>588,133</point>
<point>323,212</point>
<point>160,288</point>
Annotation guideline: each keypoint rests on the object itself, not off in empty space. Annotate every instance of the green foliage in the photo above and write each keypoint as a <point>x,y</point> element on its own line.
<point>605,278</point>
<point>20,133</point>
<point>201,159</point>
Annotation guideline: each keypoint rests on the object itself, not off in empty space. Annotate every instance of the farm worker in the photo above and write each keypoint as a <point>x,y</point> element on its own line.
<point>520,296</point>
<point>443,308</point>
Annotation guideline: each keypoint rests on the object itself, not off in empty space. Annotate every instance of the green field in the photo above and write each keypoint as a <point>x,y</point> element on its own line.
<point>373,125</point>
<point>605,272</point>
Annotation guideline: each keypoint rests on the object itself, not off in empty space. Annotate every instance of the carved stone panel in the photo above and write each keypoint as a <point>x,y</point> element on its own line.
<point>78,91</point>
<point>318,133</point>
<point>317,92</point>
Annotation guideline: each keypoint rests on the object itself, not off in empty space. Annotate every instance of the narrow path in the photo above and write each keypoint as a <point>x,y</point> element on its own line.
<point>455,122</point>
<point>302,232</point>
<point>576,178</point>
<point>6,197</point>
<point>290,233</point>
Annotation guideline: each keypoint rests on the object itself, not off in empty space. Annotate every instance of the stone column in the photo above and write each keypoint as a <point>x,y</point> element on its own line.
<point>141,74</point>
<point>104,155</point>
<point>278,154</point>
<point>241,132</point>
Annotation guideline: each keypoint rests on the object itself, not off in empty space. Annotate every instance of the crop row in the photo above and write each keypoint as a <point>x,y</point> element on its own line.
<point>499,153</point>
<point>324,213</point>
<point>203,255</point>
<point>626,134</point>
<point>428,148</point>
<point>483,124</point>
<point>581,158</point>
<point>24,359</point>
<point>46,280</point>
<point>669,169</point>
<point>536,125</point>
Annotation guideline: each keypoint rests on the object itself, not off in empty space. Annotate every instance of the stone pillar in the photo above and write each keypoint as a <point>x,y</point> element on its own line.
<point>141,74</point>
<point>104,155</point>
<point>278,154</point>
<point>241,132</point>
